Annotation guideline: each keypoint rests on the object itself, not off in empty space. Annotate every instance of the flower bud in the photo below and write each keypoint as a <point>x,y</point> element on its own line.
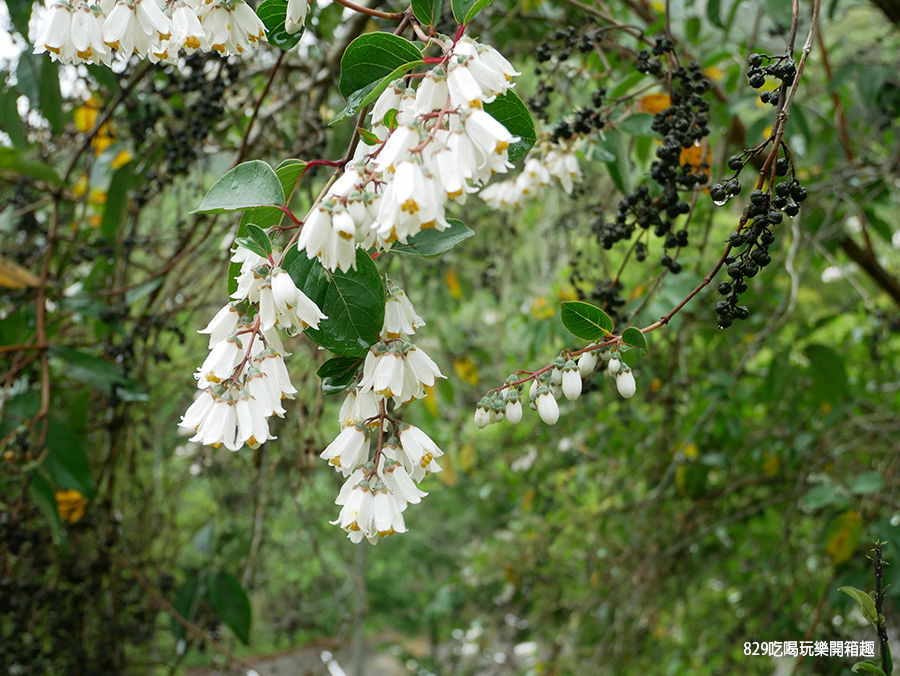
<point>615,365</point>
<point>482,414</point>
<point>587,362</point>
<point>571,381</point>
<point>514,411</point>
<point>625,383</point>
<point>556,372</point>
<point>547,407</point>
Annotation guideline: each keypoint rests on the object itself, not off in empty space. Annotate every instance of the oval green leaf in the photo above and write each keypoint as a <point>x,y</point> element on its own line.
<point>584,320</point>
<point>371,57</point>
<point>248,185</point>
<point>513,114</point>
<point>431,243</point>
<point>866,604</point>
<point>337,373</point>
<point>352,300</point>
<point>428,12</point>
<point>225,594</point>
<point>634,337</point>
<point>273,14</point>
<point>465,10</point>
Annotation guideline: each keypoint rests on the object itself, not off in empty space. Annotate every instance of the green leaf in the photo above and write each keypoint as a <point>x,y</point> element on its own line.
<point>248,185</point>
<point>634,337</point>
<point>203,539</point>
<point>20,13</point>
<point>42,493</point>
<point>230,601</point>
<point>258,235</point>
<point>28,77</point>
<point>99,374</point>
<point>638,124</point>
<point>66,461</point>
<point>337,373</point>
<point>828,373</point>
<point>352,300</point>
<point>513,114</point>
<point>19,163</point>
<point>185,603</point>
<point>465,10</point>
<point>428,12</point>
<point>12,123</point>
<point>866,604</point>
<point>820,496</point>
<point>51,97</point>
<point>714,13</point>
<point>132,296</point>
<point>264,217</point>
<point>371,57</point>
<point>288,172</point>
<point>869,482</point>
<point>878,225</point>
<point>432,242</point>
<point>363,97</point>
<point>251,245</point>
<point>868,666</point>
<point>116,200</point>
<point>584,320</point>
<point>273,14</point>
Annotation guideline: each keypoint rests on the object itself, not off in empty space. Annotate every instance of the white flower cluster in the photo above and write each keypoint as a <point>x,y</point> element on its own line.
<point>378,490</point>
<point>77,31</point>
<point>563,379</point>
<point>560,162</point>
<point>431,145</point>
<point>244,377</point>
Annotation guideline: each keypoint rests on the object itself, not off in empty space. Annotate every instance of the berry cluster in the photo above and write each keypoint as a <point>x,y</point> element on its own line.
<point>781,68</point>
<point>652,65</point>
<point>765,211</point>
<point>683,125</point>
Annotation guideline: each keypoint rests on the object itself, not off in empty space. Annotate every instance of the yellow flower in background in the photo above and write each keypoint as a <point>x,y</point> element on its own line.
<point>123,158</point>
<point>653,103</point>
<point>466,370</point>
<point>71,505</point>
<point>713,73</point>
<point>453,284</point>
<point>86,116</point>
<point>541,309</point>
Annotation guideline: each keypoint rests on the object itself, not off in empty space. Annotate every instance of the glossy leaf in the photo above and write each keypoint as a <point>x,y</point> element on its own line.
<point>258,235</point>
<point>264,217</point>
<point>363,97</point>
<point>337,373</point>
<point>288,172</point>
<point>248,185</point>
<point>634,337</point>
<point>352,300</point>
<point>866,603</point>
<point>465,10</point>
<point>431,243</point>
<point>428,12</point>
<point>230,601</point>
<point>371,57</point>
<point>584,320</point>
<point>273,14</point>
<point>513,114</point>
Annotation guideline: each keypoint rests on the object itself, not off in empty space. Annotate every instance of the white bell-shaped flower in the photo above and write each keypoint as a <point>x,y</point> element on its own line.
<point>571,381</point>
<point>220,363</point>
<point>349,449</point>
<point>296,15</point>
<point>625,383</point>
<point>547,407</point>
<point>587,362</point>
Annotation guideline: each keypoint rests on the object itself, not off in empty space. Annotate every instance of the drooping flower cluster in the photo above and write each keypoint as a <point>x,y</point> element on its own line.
<point>378,489</point>
<point>244,378</point>
<point>565,378</point>
<point>558,161</point>
<point>429,145</point>
<point>77,31</point>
